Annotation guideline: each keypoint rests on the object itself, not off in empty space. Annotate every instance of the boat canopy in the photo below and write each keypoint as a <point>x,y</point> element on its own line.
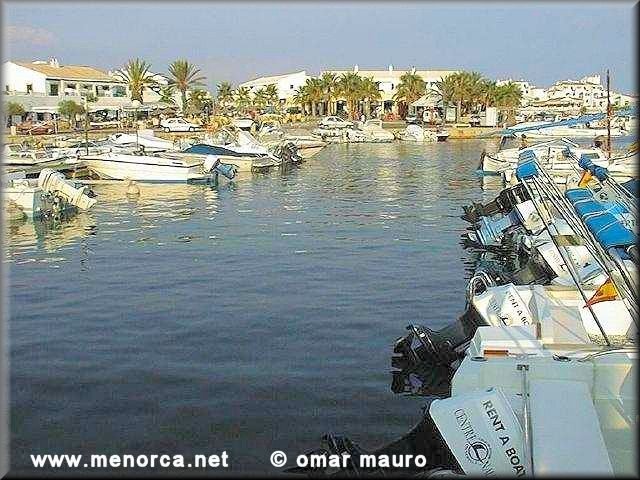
<point>600,220</point>
<point>581,120</point>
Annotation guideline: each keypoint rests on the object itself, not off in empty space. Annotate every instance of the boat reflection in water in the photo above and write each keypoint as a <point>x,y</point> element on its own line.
<point>50,235</point>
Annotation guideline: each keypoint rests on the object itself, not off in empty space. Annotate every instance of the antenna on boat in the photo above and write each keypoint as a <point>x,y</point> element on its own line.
<point>608,118</point>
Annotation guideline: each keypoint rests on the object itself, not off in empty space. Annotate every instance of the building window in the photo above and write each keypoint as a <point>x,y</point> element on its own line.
<point>6,88</point>
<point>290,87</point>
<point>29,88</point>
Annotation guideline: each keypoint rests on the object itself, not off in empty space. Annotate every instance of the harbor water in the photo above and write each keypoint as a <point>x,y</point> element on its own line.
<point>251,317</point>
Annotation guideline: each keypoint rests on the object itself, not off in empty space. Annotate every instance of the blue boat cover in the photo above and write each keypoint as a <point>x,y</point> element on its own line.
<point>600,218</point>
<point>527,155</point>
<point>601,173</point>
<point>204,149</point>
<point>526,170</point>
<point>585,162</point>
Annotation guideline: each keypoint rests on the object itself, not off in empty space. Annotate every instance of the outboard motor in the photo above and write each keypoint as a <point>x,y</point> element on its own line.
<point>56,184</point>
<point>289,153</point>
<point>423,361</point>
<point>213,164</point>
<point>423,440</point>
<point>503,203</point>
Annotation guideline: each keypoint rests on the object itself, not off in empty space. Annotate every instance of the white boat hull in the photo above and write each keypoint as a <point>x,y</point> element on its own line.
<point>144,169</point>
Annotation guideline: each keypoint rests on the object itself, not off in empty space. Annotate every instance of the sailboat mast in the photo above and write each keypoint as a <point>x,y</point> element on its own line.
<point>608,117</point>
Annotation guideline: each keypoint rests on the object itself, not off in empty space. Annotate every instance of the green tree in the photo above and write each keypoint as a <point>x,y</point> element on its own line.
<point>329,90</point>
<point>137,76</point>
<point>314,92</point>
<point>370,92</point>
<point>200,101</point>
<point>410,88</point>
<point>225,95</point>
<point>184,76</point>
<point>508,98</point>
<point>14,108</point>
<point>260,98</point>
<point>69,109</point>
<point>349,88</point>
<point>445,88</point>
<point>242,98</point>
<point>301,97</point>
<point>166,95</point>
<point>272,96</point>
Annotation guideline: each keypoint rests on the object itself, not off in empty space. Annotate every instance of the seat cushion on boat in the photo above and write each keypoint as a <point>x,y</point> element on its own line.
<point>565,430</point>
<point>559,323</point>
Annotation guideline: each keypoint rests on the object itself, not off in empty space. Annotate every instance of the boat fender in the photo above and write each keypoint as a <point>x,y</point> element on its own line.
<point>132,188</point>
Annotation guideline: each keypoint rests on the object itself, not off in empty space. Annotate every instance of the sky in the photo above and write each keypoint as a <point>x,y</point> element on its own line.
<point>539,42</point>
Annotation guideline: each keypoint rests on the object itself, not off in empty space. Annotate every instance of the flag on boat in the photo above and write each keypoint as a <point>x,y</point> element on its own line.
<point>607,291</point>
<point>585,178</point>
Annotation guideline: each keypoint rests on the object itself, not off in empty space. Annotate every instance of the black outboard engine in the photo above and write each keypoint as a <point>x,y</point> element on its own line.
<point>423,439</point>
<point>423,361</point>
<point>289,153</point>
<point>503,203</point>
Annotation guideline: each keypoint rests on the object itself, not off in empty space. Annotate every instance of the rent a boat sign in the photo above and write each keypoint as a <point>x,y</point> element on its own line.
<point>483,433</point>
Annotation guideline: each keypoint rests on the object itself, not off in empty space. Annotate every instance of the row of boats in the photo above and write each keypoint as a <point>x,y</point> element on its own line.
<point>139,157</point>
<point>538,376</point>
<point>558,156</point>
<point>371,131</point>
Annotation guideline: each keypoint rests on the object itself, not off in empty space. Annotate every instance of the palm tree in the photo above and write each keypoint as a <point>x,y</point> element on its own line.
<point>445,88</point>
<point>137,76</point>
<point>475,86</point>
<point>200,101</point>
<point>301,97</point>
<point>410,88</point>
<point>488,95</point>
<point>260,98</point>
<point>272,95</point>
<point>329,90</point>
<point>225,94</point>
<point>314,91</point>
<point>370,92</point>
<point>166,95</point>
<point>349,87</point>
<point>184,76</point>
<point>508,98</point>
<point>242,97</point>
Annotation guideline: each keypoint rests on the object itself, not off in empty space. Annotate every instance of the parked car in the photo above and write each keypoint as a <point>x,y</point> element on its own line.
<point>178,125</point>
<point>37,128</point>
<point>334,122</point>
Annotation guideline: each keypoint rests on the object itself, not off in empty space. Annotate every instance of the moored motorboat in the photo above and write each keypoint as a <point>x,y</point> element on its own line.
<point>244,162</point>
<point>158,167</point>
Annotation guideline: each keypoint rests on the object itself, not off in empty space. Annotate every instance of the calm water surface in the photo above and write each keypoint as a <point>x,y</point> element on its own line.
<point>248,318</point>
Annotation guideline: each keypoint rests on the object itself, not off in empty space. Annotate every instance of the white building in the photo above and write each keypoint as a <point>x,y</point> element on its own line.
<point>389,79</point>
<point>287,84</point>
<point>569,96</point>
<point>530,93</point>
<point>40,86</point>
<point>52,79</point>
